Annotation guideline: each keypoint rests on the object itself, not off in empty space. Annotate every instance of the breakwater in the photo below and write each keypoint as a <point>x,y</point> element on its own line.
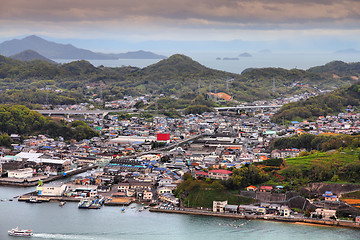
<point>262,217</point>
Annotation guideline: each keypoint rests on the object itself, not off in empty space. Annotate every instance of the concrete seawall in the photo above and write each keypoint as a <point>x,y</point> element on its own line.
<point>262,217</point>
<point>49,179</point>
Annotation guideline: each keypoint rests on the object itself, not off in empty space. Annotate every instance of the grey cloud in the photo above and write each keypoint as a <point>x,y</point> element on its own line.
<point>240,13</point>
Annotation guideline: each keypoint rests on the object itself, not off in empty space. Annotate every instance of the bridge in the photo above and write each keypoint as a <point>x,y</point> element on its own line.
<point>252,107</point>
<point>67,113</point>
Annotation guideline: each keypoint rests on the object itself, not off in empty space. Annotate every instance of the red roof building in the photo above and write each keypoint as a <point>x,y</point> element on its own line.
<point>266,188</point>
<point>201,174</point>
<point>220,174</point>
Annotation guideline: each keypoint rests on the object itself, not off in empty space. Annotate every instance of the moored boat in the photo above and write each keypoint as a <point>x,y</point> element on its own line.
<point>85,203</point>
<point>20,232</point>
<point>33,199</point>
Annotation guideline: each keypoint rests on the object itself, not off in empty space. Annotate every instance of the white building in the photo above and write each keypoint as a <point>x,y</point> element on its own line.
<point>51,190</point>
<point>219,206</point>
<point>21,173</point>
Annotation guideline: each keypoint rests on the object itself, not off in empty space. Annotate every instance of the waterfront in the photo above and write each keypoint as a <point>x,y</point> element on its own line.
<point>49,221</point>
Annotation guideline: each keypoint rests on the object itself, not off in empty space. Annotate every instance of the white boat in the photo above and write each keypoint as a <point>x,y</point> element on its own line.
<point>19,232</point>
<point>85,203</point>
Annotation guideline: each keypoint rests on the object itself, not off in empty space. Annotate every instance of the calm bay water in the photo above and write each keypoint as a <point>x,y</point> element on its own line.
<point>282,60</point>
<point>49,221</point>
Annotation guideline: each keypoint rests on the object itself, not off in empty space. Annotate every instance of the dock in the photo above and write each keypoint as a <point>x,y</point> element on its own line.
<point>294,220</point>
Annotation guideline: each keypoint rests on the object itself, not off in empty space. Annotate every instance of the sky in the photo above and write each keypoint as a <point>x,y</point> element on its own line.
<point>293,24</point>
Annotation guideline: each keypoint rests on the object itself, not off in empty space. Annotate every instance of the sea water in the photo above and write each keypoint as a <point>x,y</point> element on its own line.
<point>50,221</point>
<point>258,60</point>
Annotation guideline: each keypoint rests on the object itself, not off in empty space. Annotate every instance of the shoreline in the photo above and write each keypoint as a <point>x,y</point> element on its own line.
<point>300,221</point>
<point>4,182</point>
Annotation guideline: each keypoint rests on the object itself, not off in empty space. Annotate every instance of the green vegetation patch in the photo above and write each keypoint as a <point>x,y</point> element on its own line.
<point>353,195</point>
<point>205,197</point>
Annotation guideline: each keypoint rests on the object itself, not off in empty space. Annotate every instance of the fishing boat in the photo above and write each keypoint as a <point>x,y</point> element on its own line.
<point>33,199</point>
<point>19,232</point>
<point>91,203</point>
<point>85,203</point>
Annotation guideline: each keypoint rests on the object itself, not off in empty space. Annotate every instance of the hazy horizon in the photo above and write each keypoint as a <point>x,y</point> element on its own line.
<point>204,25</point>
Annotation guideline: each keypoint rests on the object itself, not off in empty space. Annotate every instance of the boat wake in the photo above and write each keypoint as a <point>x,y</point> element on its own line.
<point>61,236</point>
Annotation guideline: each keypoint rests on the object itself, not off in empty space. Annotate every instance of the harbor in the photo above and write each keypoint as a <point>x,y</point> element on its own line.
<point>275,218</point>
<point>50,221</point>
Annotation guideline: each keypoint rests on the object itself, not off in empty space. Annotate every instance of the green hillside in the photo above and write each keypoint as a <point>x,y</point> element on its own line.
<point>21,120</point>
<point>342,69</point>
<point>334,166</point>
<point>322,105</point>
<point>177,75</point>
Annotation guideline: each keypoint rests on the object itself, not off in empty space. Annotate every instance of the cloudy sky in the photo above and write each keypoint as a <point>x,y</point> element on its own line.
<point>283,21</point>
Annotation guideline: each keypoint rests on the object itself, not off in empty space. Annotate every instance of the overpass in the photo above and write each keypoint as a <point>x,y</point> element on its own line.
<point>252,107</point>
<point>67,113</point>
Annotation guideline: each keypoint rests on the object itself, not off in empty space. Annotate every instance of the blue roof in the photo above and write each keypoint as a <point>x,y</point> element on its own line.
<point>160,169</point>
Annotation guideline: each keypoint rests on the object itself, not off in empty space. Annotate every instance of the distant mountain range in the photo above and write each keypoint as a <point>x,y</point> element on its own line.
<point>348,51</point>
<point>54,50</point>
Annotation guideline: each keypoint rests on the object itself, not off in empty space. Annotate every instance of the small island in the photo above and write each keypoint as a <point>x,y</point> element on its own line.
<point>245,54</point>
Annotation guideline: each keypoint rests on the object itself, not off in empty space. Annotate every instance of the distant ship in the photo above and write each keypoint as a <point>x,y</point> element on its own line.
<point>19,232</point>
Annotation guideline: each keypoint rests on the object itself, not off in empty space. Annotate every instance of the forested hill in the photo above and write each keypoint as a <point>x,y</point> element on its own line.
<point>177,75</point>
<point>21,120</point>
<point>322,105</point>
<point>30,55</point>
<point>337,69</point>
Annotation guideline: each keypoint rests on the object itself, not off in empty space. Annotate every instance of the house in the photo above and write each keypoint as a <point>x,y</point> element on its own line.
<point>150,157</point>
<point>165,181</point>
<point>251,188</point>
<point>285,211</point>
<point>220,174</point>
<point>163,190</point>
<point>170,198</point>
<point>285,153</point>
<point>148,195</point>
<point>201,174</point>
<point>324,213</point>
<point>21,173</point>
<point>266,188</point>
<point>219,206</point>
<point>123,187</point>
<point>330,197</point>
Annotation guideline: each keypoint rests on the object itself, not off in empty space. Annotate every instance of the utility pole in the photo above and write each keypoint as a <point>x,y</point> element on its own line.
<point>101,93</point>
<point>210,92</point>
<point>215,97</point>
<point>273,86</point>
<point>47,96</point>
<point>199,87</point>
